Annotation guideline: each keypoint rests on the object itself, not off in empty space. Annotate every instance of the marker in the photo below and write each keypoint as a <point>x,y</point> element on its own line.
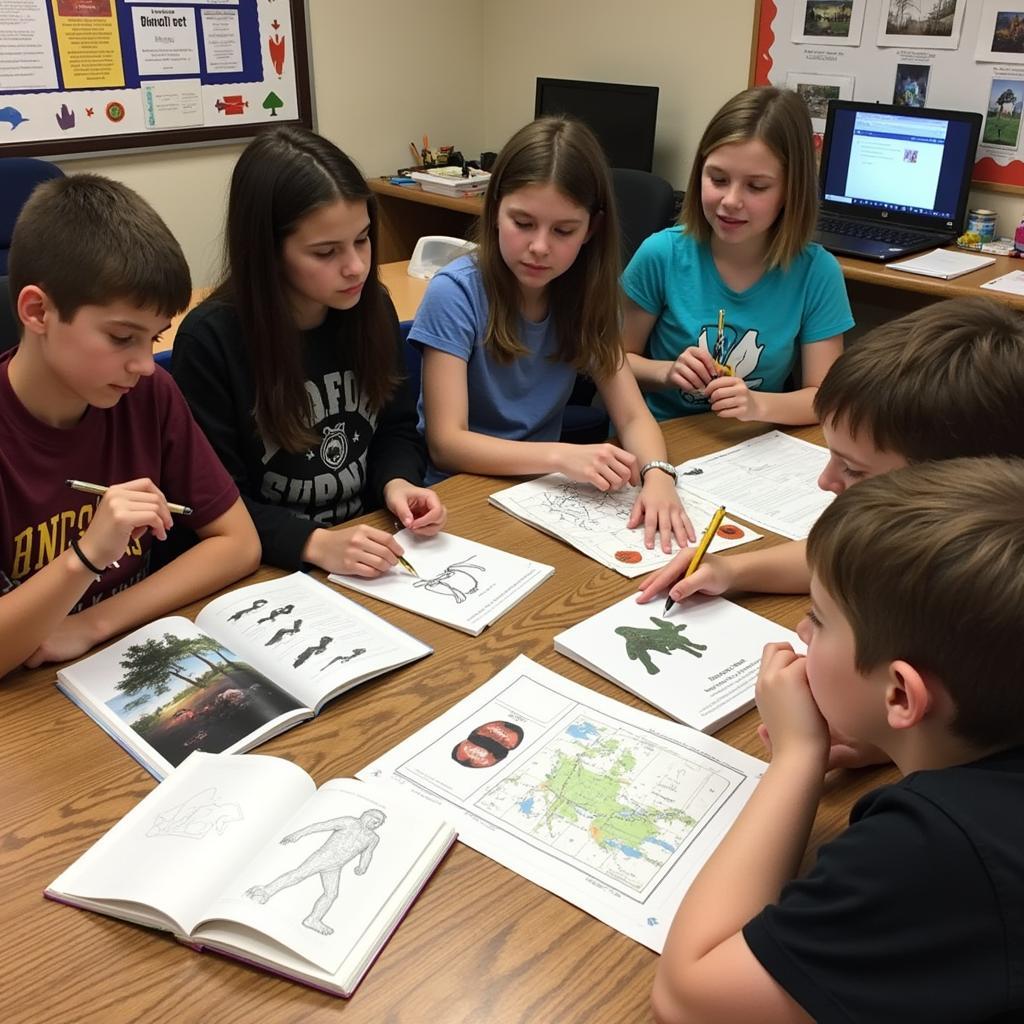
<point>81,485</point>
<point>702,547</point>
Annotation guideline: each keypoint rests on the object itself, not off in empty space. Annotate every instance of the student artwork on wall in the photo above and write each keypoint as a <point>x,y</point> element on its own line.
<point>944,54</point>
<point>82,76</point>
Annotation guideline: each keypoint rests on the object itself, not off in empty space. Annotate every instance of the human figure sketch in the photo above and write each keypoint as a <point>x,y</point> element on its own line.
<point>285,609</point>
<point>456,581</point>
<point>344,657</point>
<point>350,837</point>
<point>195,817</point>
<point>283,632</point>
<point>255,606</point>
<point>663,639</point>
<point>310,651</point>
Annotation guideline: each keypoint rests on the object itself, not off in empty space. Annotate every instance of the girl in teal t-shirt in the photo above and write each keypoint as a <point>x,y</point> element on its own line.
<point>742,258</point>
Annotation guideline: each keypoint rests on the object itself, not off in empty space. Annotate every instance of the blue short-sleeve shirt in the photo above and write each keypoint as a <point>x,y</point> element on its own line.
<point>519,401</point>
<point>673,276</point>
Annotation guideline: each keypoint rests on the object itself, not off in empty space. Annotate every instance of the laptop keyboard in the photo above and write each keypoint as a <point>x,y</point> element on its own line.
<point>887,233</point>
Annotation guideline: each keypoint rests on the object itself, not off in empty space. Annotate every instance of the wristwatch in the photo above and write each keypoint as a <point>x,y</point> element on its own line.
<point>665,467</point>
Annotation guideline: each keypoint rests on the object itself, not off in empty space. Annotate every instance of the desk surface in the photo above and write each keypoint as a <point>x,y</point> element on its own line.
<point>481,943</point>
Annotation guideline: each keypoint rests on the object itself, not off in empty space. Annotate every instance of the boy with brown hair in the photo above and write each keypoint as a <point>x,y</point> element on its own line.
<point>916,911</point>
<point>943,382</point>
<point>95,277</point>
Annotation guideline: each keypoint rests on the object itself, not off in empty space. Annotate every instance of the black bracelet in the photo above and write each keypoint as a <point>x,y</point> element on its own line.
<point>85,561</point>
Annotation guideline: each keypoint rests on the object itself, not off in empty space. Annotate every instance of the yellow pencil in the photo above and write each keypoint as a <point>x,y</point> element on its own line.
<point>407,565</point>
<point>723,368</point>
<point>702,547</point>
<point>87,488</point>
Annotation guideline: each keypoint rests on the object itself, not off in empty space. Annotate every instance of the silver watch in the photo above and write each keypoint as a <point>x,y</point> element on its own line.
<point>665,467</point>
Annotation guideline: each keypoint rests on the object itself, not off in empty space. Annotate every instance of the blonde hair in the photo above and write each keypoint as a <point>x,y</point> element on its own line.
<point>584,301</point>
<point>779,119</point>
<point>941,382</point>
<point>927,565</point>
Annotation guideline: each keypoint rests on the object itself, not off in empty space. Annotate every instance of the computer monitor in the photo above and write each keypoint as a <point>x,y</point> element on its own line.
<point>623,117</point>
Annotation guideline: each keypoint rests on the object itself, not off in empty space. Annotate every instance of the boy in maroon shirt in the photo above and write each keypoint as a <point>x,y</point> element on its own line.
<point>95,276</point>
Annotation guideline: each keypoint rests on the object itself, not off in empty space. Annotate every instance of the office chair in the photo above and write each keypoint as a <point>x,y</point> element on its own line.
<point>18,176</point>
<point>10,330</point>
<point>645,204</point>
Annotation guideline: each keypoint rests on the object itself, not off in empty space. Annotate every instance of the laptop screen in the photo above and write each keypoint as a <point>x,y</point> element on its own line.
<point>881,160</point>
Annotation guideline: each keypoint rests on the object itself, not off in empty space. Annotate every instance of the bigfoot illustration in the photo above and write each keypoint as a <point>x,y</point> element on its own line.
<point>283,632</point>
<point>663,639</point>
<point>350,837</point>
<point>456,581</point>
<point>310,651</point>
<point>344,657</point>
<point>285,609</point>
<point>257,604</point>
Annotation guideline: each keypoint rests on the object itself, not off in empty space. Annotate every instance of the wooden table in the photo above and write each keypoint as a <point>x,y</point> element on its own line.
<point>481,943</point>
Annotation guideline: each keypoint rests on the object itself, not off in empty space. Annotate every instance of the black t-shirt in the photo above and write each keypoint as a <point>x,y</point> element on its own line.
<point>916,912</point>
<point>290,494</point>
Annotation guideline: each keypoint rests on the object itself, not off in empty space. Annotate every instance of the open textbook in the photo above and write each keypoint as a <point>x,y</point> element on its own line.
<point>243,855</point>
<point>698,662</point>
<point>771,480</point>
<point>594,521</point>
<point>613,809</point>
<point>461,583</point>
<point>257,661</point>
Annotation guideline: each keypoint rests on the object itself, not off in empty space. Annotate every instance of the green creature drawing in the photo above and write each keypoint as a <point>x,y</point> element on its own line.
<point>665,638</point>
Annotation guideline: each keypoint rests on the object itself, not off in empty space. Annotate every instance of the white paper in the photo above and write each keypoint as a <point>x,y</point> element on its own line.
<point>222,42</point>
<point>594,521</point>
<point>26,51</point>
<point>698,662</point>
<point>1013,283</point>
<point>165,40</point>
<point>608,807</point>
<point>462,583</point>
<point>943,263</point>
<point>771,480</point>
<point>174,104</point>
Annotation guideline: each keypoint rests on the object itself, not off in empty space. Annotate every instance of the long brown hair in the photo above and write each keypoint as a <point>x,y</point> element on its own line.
<point>282,176</point>
<point>585,299</point>
<point>779,119</point>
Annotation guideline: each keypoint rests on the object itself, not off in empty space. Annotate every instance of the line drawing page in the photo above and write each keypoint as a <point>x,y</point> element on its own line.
<point>594,521</point>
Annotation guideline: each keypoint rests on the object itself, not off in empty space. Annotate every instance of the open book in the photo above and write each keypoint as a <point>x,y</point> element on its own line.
<point>698,662</point>
<point>257,661</point>
<point>594,521</point>
<point>462,583</point>
<point>611,808</point>
<point>243,855</point>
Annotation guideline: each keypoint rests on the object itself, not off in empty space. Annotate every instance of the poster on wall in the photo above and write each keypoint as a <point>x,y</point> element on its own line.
<point>91,75</point>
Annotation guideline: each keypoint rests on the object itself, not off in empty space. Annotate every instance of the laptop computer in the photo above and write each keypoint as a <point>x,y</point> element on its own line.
<point>893,180</point>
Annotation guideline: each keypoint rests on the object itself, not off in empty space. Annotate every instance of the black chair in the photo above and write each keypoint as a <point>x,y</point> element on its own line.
<point>645,203</point>
<point>10,329</point>
<point>18,176</point>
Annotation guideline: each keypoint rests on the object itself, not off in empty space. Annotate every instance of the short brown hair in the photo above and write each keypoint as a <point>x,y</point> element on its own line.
<point>927,563</point>
<point>87,240</point>
<point>941,382</point>
<point>584,301</point>
<point>779,119</point>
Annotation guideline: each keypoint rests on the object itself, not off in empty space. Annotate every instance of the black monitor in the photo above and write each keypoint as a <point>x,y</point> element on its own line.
<point>622,117</point>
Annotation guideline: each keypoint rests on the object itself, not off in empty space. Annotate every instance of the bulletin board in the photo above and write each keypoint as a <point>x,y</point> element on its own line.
<point>946,54</point>
<point>86,76</point>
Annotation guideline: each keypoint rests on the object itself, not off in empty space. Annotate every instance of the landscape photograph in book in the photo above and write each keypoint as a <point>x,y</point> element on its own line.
<point>189,693</point>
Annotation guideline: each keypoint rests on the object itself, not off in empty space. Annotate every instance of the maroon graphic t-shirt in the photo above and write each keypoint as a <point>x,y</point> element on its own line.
<point>149,433</point>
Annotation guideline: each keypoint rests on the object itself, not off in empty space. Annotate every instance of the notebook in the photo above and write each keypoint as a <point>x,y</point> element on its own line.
<point>893,180</point>
<point>945,264</point>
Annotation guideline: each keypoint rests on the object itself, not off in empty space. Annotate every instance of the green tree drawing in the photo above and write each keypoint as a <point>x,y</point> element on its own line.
<point>273,103</point>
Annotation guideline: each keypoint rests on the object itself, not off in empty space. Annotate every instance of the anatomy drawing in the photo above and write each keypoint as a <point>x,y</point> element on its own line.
<point>285,609</point>
<point>258,603</point>
<point>587,510</point>
<point>344,657</point>
<point>350,837</point>
<point>283,632</point>
<point>194,818</point>
<point>310,651</point>
<point>457,581</point>
<point>663,639</point>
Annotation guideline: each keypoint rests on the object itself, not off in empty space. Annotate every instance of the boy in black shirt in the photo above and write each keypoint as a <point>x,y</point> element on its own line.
<point>915,912</point>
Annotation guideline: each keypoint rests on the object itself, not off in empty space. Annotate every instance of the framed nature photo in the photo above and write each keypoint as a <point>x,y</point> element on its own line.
<point>931,23</point>
<point>816,89</point>
<point>836,22</point>
<point>1001,32</point>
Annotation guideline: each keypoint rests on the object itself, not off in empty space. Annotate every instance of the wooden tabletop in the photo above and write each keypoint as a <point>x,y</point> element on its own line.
<point>462,204</point>
<point>480,944</point>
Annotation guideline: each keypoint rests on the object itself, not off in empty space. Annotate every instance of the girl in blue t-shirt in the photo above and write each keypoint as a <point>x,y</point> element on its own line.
<point>505,330</point>
<point>718,308</point>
